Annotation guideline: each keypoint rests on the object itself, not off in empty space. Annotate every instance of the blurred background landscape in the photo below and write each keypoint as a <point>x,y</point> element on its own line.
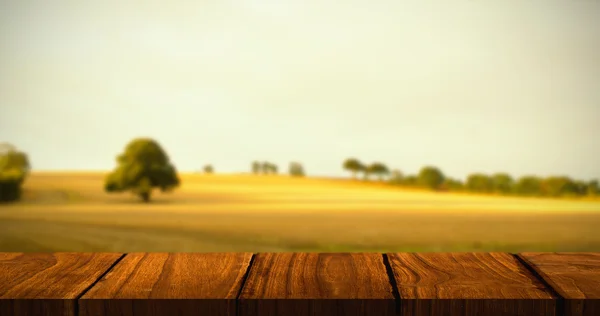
<point>299,125</point>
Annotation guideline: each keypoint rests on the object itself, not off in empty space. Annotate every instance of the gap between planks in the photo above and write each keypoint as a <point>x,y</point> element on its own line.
<point>560,300</point>
<point>95,282</point>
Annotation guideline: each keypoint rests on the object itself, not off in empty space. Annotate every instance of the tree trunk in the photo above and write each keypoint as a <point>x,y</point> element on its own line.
<point>145,197</point>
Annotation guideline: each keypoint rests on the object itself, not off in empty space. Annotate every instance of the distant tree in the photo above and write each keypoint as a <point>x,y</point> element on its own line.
<point>353,165</point>
<point>480,183</point>
<point>581,187</point>
<point>144,165</point>
<point>208,169</point>
<point>256,167</point>
<point>558,186</point>
<point>431,177</point>
<point>269,168</point>
<point>529,186</point>
<point>15,160</point>
<point>378,169</point>
<point>274,169</point>
<point>265,167</point>
<point>14,168</point>
<point>593,188</point>
<point>296,169</point>
<point>503,183</point>
<point>362,168</point>
<point>410,180</point>
<point>451,184</point>
<point>396,177</point>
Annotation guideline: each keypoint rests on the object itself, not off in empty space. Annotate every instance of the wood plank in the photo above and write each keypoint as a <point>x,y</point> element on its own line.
<point>168,284</point>
<point>317,284</point>
<point>44,284</point>
<point>574,276</point>
<point>466,284</point>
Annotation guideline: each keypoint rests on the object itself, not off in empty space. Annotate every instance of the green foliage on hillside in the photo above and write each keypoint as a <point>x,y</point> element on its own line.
<point>431,177</point>
<point>500,183</point>
<point>479,182</point>
<point>14,168</point>
<point>378,169</point>
<point>296,169</point>
<point>143,166</point>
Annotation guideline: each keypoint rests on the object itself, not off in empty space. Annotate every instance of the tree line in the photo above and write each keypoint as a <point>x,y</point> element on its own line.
<point>265,167</point>
<point>499,183</point>
<point>144,166</point>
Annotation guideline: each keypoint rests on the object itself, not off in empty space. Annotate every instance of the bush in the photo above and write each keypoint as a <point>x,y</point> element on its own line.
<point>296,169</point>
<point>431,177</point>
<point>14,167</point>
<point>529,186</point>
<point>480,183</point>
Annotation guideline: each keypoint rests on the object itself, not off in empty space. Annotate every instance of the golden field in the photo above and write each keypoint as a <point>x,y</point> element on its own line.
<point>70,212</point>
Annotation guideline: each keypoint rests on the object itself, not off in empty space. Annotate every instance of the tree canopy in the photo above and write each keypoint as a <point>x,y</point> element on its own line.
<point>431,177</point>
<point>353,165</point>
<point>296,169</point>
<point>378,169</point>
<point>144,165</point>
<point>479,182</point>
<point>208,169</point>
<point>529,186</point>
<point>256,167</point>
<point>503,183</point>
<point>14,168</point>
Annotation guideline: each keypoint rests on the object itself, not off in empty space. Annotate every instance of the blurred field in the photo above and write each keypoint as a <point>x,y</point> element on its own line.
<point>70,212</point>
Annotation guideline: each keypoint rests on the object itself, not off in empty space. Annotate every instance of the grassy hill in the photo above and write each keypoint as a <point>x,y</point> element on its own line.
<point>70,212</point>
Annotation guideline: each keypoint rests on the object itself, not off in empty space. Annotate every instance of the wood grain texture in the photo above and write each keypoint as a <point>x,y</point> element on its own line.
<point>44,284</point>
<point>157,284</point>
<point>466,284</point>
<point>317,284</point>
<point>574,276</point>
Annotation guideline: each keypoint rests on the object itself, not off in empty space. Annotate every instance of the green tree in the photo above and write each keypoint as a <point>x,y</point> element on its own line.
<point>353,165</point>
<point>529,186</point>
<point>378,169</point>
<point>362,168</point>
<point>410,180</point>
<point>269,168</point>
<point>144,165</point>
<point>296,169</point>
<point>431,177</point>
<point>396,177</point>
<point>14,168</point>
<point>558,186</point>
<point>209,169</point>
<point>503,183</point>
<point>256,167</point>
<point>265,167</point>
<point>479,183</point>
<point>451,184</point>
<point>581,187</point>
<point>593,188</point>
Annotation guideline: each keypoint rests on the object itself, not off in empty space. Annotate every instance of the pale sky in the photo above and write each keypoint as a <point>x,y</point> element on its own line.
<point>468,86</point>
